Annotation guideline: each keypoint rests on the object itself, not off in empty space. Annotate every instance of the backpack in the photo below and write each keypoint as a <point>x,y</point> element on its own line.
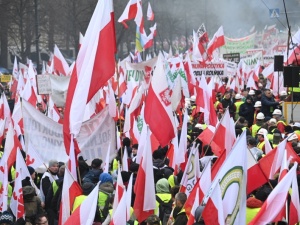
<point>165,209</point>
<point>92,176</point>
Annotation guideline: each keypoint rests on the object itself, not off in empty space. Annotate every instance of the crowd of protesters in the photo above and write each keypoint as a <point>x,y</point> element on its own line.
<point>256,111</point>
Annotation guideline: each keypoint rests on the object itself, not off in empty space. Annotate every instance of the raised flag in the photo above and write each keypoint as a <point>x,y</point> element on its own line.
<point>60,64</point>
<point>158,108</point>
<point>150,14</point>
<point>294,49</point>
<point>129,12</point>
<point>95,65</point>
<point>294,215</point>
<point>217,41</point>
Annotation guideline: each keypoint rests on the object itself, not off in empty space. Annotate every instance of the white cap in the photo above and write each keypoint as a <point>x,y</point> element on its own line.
<point>297,124</point>
<point>257,104</point>
<point>293,137</point>
<point>262,131</point>
<point>277,112</point>
<point>273,121</point>
<point>283,93</point>
<point>238,96</point>
<point>200,126</point>
<point>193,98</point>
<point>251,92</point>
<point>260,116</point>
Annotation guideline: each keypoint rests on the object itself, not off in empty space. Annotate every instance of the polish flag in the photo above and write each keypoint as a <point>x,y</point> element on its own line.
<point>158,108</point>
<point>196,203</point>
<point>276,200</point>
<point>294,49</point>
<point>119,217</point>
<point>197,56</point>
<point>80,39</point>
<point>15,71</point>
<point>294,215</point>
<point>129,12</point>
<point>28,94</point>
<point>125,160</point>
<point>120,188</point>
<point>2,130</point>
<point>95,65</point>
<point>268,146</point>
<point>5,113</point>
<point>190,75</point>
<point>107,159</point>
<point>17,201</point>
<point>71,189</point>
<point>217,41</point>
<point>85,213</point>
<point>33,158</point>
<point>182,148</point>
<point>150,38</point>
<point>144,189</point>
<point>60,64</point>
<point>4,186</point>
<point>72,159</point>
<point>128,194</point>
<point>150,14</point>
<point>213,212</point>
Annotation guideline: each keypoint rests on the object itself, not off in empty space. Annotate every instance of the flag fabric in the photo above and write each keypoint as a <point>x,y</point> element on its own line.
<point>217,41</point>
<point>17,201</point>
<point>72,163</point>
<point>71,189</point>
<point>60,64</point>
<point>294,49</point>
<point>129,12</point>
<point>158,108</point>
<point>213,212</point>
<point>119,217</point>
<point>4,186</point>
<point>107,159</point>
<point>150,14</point>
<point>294,215</point>
<point>232,178</point>
<point>119,191</point>
<point>275,200</point>
<point>196,203</point>
<point>85,213</point>
<point>197,56</point>
<point>15,71</point>
<point>182,148</point>
<point>125,160</point>
<point>150,38</point>
<point>144,189</point>
<point>95,65</point>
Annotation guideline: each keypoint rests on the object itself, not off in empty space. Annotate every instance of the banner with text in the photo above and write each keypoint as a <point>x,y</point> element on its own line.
<point>209,69</point>
<point>238,45</point>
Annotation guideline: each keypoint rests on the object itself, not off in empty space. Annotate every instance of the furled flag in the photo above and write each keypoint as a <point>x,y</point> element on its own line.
<point>158,108</point>
<point>60,64</point>
<point>150,14</point>
<point>15,72</point>
<point>85,213</point>
<point>294,215</point>
<point>71,189</point>
<point>95,65</point>
<point>5,113</point>
<point>144,189</point>
<point>275,200</point>
<point>217,41</point>
<point>196,203</point>
<point>129,12</point>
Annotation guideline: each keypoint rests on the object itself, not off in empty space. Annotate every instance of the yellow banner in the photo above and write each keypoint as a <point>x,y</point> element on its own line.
<point>5,78</point>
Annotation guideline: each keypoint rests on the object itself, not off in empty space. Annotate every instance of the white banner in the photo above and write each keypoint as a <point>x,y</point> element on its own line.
<point>209,69</point>
<point>46,135</point>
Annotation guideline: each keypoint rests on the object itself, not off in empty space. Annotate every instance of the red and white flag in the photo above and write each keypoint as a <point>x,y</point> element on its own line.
<point>217,41</point>
<point>72,159</point>
<point>150,14</point>
<point>158,108</point>
<point>60,64</point>
<point>17,201</point>
<point>71,189</point>
<point>276,200</point>
<point>4,186</point>
<point>144,189</point>
<point>85,213</point>
<point>95,65</point>
<point>294,49</point>
<point>129,12</point>
<point>294,215</point>
<point>150,38</point>
<point>119,217</point>
<point>107,160</point>
<point>15,71</point>
<point>197,56</point>
<point>195,205</point>
<point>33,158</point>
<point>119,191</point>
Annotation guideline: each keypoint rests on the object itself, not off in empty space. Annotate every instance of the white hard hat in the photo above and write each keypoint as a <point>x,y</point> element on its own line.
<point>238,96</point>
<point>199,125</point>
<point>297,124</point>
<point>273,121</point>
<point>293,137</point>
<point>283,93</point>
<point>277,112</point>
<point>257,104</point>
<point>193,98</point>
<point>260,116</point>
<point>251,92</point>
<point>262,131</point>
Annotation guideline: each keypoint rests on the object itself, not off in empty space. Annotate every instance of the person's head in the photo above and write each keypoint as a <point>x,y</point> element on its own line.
<point>245,93</point>
<point>96,163</point>
<point>153,220</point>
<point>53,166</point>
<point>134,149</point>
<point>180,199</point>
<point>249,99</point>
<point>227,95</point>
<point>6,218</point>
<point>260,134</point>
<point>162,186</point>
<point>277,114</point>
<point>105,177</point>
<point>268,93</point>
<point>40,107</point>
<point>31,172</point>
<point>251,142</point>
<point>257,105</point>
<point>61,171</point>
<point>126,142</point>
<point>41,220</point>
<point>87,188</point>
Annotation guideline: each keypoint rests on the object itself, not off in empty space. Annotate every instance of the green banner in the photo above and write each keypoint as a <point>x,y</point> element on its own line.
<point>238,45</point>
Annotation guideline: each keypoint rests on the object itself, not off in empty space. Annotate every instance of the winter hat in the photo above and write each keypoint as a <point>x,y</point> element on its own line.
<point>52,163</point>
<point>96,163</point>
<point>6,217</point>
<point>31,170</point>
<point>87,188</point>
<point>105,177</point>
<point>162,186</point>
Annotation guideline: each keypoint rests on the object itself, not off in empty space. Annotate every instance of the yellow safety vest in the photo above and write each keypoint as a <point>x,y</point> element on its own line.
<point>216,104</point>
<point>260,145</point>
<point>165,197</point>
<point>254,129</point>
<point>238,105</point>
